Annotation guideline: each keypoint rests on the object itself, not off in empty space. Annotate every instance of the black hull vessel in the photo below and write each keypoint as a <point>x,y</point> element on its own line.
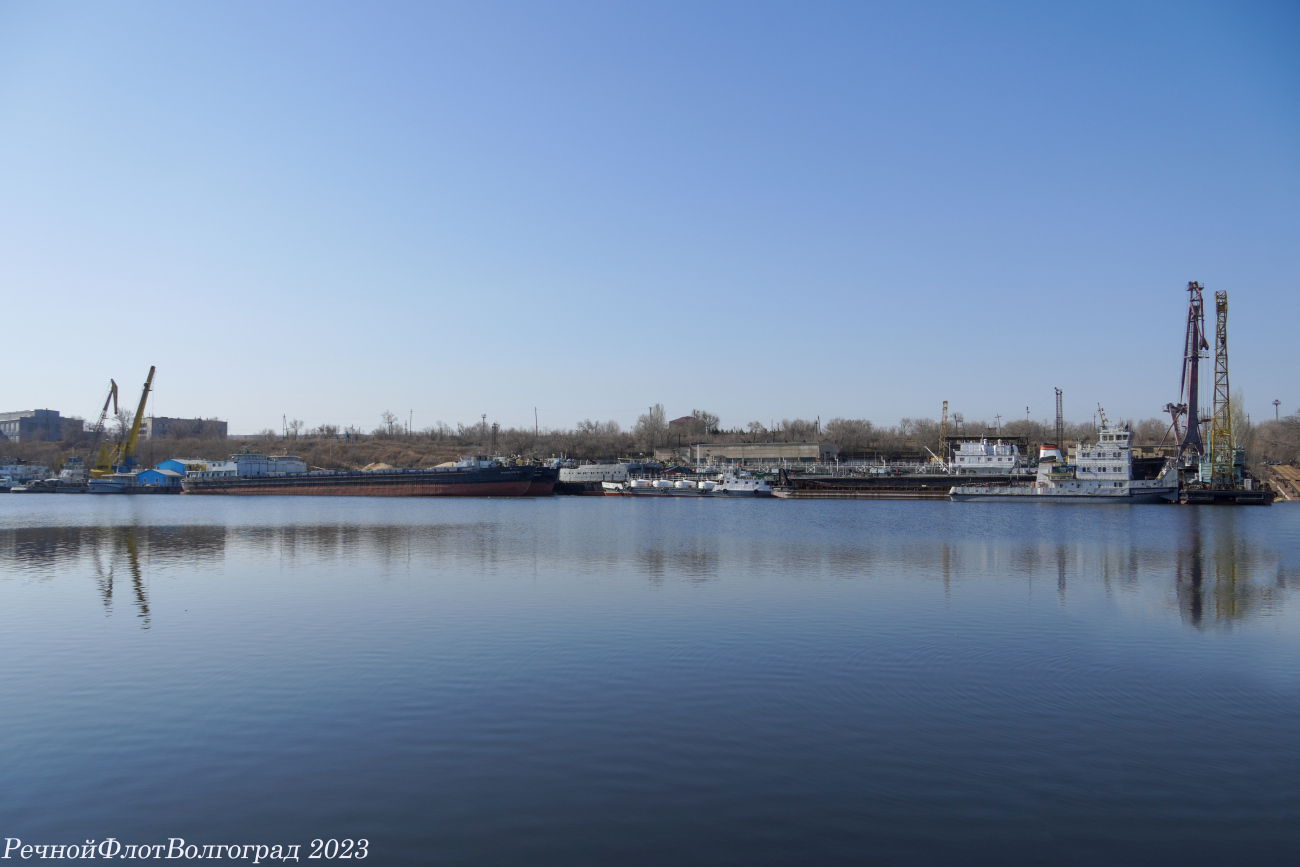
<point>436,482</point>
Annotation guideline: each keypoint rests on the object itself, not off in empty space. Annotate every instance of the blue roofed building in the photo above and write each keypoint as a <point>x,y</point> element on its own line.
<point>158,478</point>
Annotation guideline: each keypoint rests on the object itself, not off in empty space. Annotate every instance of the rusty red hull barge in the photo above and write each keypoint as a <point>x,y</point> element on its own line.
<point>484,482</point>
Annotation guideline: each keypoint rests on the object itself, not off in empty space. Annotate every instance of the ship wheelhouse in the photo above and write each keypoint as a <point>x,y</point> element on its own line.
<point>1107,460</point>
<point>986,457</point>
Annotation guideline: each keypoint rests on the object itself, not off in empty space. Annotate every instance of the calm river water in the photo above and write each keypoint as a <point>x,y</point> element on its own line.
<point>612,681</point>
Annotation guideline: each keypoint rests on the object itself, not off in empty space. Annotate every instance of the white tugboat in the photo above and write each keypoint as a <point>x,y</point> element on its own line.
<point>1103,473</point>
<point>741,484</point>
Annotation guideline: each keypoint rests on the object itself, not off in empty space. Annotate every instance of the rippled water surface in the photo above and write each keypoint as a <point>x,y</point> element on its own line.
<point>610,681</point>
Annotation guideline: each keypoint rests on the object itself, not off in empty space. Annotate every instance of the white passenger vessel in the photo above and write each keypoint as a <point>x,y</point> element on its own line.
<point>1102,473</point>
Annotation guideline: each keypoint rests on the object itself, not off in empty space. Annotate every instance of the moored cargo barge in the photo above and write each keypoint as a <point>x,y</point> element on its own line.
<point>466,478</point>
<point>543,483</point>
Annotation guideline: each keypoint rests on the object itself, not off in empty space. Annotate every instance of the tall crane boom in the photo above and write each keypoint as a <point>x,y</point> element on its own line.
<point>128,447</point>
<point>1190,447</point>
<point>1221,453</point>
<point>98,448</point>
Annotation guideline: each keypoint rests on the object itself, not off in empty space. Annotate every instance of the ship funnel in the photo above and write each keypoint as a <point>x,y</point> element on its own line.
<point>1049,453</point>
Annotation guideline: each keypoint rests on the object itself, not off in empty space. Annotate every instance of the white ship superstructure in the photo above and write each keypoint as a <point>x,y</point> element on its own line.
<point>741,484</point>
<point>594,473</point>
<point>986,457</point>
<point>1103,473</point>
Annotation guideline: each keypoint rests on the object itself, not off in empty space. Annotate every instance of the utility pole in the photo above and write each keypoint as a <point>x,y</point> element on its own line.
<point>536,427</point>
<point>1060,424</point>
<point>1276,404</point>
<point>998,420</point>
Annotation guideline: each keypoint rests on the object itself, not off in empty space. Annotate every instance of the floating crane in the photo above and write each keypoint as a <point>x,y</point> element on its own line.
<point>1190,447</point>
<point>122,456</point>
<point>98,448</point>
<point>1226,481</point>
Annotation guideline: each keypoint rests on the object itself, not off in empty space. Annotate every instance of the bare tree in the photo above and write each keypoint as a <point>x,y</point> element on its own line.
<point>651,428</point>
<point>123,420</point>
<point>1150,430</point>
<point>706,422</point>
<point>294,427</point>
<point>1278,440</point>
<point>851,434</point>
<point>1243,432</point>
<point>798,429</point>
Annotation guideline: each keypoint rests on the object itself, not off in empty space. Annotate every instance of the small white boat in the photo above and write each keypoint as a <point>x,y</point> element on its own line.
<point>115,483</point>
<point>741,484</point>
<point>657,488</point>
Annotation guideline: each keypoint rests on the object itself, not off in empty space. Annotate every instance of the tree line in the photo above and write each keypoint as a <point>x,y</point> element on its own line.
<point>393,442</point>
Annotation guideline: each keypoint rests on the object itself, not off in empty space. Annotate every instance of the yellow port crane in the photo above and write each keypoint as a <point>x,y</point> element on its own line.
<point>943,435</point>
<point>98,448</point>
<point>122,458</point>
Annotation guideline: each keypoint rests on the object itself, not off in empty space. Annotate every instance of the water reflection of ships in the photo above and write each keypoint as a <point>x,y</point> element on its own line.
<point>467,477</point>
<point>1103,473</point>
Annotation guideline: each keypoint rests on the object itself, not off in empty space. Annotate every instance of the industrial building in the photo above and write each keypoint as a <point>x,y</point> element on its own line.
<point>157,427</point>
<point>752,453</point>
<point>38,425</point>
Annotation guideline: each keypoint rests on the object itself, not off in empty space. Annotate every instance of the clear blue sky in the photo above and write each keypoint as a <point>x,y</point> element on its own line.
<point>327,210</point>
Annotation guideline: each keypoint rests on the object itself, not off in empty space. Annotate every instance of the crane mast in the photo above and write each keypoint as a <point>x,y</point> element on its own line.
<point>98,448</point>
<point>1221,452</point>
<point>943,433</point>
<point>1060,422</point>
